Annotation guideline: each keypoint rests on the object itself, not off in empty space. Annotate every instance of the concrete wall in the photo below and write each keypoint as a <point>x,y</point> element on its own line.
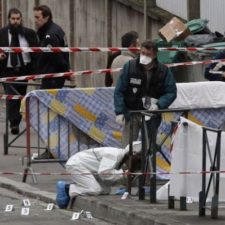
<point>177,7</point>
<point>84,24</point>
<point>214,12</point>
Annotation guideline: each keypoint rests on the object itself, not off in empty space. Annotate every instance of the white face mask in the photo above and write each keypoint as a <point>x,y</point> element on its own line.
<point>145,60</point>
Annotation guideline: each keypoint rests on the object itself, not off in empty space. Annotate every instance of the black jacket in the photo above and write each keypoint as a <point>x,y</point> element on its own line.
<point>132,86</point>
<point>216,68</point>
<point>31,38</point>
<point>52,35</point>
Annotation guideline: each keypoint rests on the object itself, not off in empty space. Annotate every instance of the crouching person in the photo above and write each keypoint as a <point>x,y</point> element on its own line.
<point>93,171</point>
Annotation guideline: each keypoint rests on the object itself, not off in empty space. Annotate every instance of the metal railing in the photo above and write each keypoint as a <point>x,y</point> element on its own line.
<point>37,157</point>
<point>214,177</point>
<point>149,150</point>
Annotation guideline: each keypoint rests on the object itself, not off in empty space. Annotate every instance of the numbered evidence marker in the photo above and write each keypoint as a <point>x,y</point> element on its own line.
<point>75,216</point>
<point>25,211</point>
<point>50,207</point>
<point>125,195</point>
<point>26,202</point>
<point>88,215</point>
<point>189,200</point>
<point>9,208</point>
<point>35,155</point>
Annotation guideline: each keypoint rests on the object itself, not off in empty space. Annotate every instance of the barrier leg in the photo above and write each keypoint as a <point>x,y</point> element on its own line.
<point>26,172</point>
<point>5,141</point>
<point>141,183</point>
<point>202,193</point>
<point>153,176</point>
<point>201,210</point>
<point>214,207</point>
<point>25,175</point>
<point>183,203</point>
<point>129,180</point>
<point>6,134</point>
<point>171,201</point>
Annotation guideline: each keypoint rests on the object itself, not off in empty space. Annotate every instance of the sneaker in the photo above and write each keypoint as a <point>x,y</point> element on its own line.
<point>62,197</point>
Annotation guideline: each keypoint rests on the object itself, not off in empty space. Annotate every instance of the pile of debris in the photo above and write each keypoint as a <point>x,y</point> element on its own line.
<point>194,33</point>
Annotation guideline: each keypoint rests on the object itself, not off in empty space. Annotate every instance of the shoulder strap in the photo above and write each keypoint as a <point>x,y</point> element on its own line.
<point>132,66</point>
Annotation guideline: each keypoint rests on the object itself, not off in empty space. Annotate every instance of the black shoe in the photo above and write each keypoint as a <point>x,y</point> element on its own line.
<point>15,130</point>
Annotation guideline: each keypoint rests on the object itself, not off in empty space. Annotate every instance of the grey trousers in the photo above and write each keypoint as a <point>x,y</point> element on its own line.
<point>152,127</point>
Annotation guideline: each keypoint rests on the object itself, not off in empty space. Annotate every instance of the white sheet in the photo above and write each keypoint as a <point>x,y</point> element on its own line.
<point>187,157</point>
<point>208,94</point>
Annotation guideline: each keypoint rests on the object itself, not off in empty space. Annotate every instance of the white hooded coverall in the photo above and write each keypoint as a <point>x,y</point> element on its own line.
<point>96,160</point>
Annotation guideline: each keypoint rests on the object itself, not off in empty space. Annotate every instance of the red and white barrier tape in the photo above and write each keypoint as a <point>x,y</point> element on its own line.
<point>39,76</point>
<point>191,49</point>
<point>109,174</point>
<point>90,72</point>
<point>65,49</point>
<point>192,63</point>
<point>10,97</point>
<point>66,74</point>
<point>100,49</point>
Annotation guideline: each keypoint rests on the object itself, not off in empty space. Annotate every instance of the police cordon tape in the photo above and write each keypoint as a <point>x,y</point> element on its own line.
<point>10,97</point>
<point>89,72</point>
<point>109,174</point>
<point>101,49</point>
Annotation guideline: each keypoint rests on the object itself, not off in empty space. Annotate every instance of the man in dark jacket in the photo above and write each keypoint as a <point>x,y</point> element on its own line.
<point>216,71</point>
<point>50,35</point>
<point>16,64</point>
<point>144,83</point>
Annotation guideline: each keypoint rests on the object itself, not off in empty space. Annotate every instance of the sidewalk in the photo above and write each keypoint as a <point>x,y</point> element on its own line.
<point>110,207</point>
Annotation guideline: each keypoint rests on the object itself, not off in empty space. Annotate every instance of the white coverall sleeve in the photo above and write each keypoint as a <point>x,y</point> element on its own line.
<point>107,165</point>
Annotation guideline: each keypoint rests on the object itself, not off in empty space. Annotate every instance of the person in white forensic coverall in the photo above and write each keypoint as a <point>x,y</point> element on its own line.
<point>103,166</point>
<point>91,161</point>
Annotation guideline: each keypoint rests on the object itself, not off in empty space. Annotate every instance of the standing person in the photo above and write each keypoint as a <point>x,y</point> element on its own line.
<point>144,83</point>
<point>93,171</point>
<point>108,75</point>
<point>50,35</point>
<point>216,71</point>
<point>16,64</point>
<point>128,40</point>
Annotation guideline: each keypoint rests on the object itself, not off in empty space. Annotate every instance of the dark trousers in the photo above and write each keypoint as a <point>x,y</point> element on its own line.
<point>152,127</point>
<point>13,106</point>
<point>52,83</point>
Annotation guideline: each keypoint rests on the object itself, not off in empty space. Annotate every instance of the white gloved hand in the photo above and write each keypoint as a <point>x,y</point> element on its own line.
<point>154,100</point>
<point>154,107</point>
<point>120,119</point>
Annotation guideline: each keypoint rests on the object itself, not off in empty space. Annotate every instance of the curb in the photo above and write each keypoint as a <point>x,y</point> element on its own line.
<point>27,190</point>
<point>108,208</point>
<point>114,212</point>
<point>101,209</point>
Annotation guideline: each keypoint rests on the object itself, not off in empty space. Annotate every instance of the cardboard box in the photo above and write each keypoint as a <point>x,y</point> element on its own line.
<point>174,30</point>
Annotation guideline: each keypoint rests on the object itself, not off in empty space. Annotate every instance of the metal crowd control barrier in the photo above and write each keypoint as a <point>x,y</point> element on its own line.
<point>214,178</point>
<point>149,150</point>
<point>9,143</point>
<point>48,157</point>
